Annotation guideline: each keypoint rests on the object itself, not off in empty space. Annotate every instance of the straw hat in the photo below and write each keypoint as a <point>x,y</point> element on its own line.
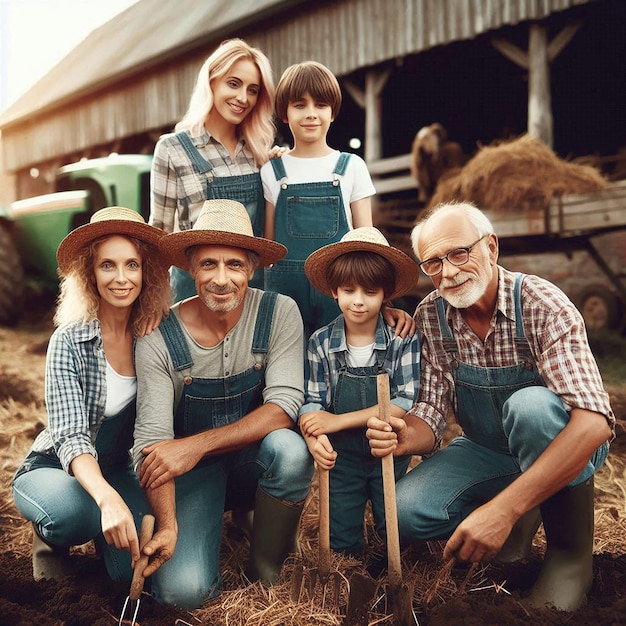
<point>364,239</point>
<point>113,220</point>
<point>221,223</point>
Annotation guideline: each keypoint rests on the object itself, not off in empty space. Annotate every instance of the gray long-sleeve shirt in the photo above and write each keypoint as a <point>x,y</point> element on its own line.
<point>160,387</point>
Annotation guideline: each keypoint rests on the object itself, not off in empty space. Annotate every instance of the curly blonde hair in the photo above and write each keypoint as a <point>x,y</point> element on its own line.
<point>79,299</point>
<point>258,127</point>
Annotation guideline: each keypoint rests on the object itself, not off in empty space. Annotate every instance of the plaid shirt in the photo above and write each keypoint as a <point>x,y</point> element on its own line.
<point>75,391</point>
<point>326,355</point>
<point>177,191</point>
<point>554,329</point>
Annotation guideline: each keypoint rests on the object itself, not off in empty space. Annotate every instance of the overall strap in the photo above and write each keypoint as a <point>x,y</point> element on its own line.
<point>517,296</point>
<point>198,161</point>
<point>263,325</point>
<point>279,168</point>
<point>521,343</point>
<point>176,343</point>
<point>342,163</point>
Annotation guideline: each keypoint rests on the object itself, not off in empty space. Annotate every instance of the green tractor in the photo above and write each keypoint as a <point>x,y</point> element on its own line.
<point>31,229</point>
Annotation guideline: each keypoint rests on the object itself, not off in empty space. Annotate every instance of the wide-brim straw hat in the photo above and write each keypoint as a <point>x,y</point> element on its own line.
<point>113,220</point>
<point>221,223</point>
<point>364,239</point>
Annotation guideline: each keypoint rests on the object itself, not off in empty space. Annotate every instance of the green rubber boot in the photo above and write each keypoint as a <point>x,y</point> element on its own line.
<point>567,571</point>
<point>519,542</point>
<point>49,562</point>
<point>274,532</point>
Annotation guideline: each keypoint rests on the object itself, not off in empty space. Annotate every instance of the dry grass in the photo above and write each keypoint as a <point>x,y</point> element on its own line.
<point>432,581</point>
<point>522,174</point>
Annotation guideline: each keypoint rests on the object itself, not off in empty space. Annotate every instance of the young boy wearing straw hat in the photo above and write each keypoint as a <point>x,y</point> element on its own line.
<point>360,272</point>
<point>221,382</point>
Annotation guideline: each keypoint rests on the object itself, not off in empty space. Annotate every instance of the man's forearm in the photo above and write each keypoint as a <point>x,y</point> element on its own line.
<point>162,501</point>
<point>243,433</point>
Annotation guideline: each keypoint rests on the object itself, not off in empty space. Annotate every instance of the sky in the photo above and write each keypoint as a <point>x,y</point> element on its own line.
<point>36,34</point>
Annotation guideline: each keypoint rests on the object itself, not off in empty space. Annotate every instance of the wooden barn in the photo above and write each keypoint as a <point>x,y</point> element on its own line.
<point>484,69</point>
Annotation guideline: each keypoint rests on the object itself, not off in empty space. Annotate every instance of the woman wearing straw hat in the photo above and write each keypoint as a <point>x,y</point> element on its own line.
<point>343,359</point>
<point>77,482</point>
<point>221,382</point>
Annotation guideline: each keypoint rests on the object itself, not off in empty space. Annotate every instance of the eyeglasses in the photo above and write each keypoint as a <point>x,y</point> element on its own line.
<point>458,256</point>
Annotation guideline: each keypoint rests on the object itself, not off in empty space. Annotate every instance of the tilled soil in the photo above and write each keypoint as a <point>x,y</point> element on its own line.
<point>487,596</point>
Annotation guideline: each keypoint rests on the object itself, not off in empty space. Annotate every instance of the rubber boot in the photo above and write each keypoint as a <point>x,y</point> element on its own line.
<point>567,571</point>
<point>519,542</point>
<point>49,562</point>
<point>244,520</point>
<point>274,532</point>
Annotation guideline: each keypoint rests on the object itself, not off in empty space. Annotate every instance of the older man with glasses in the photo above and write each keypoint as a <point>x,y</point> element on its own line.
<point>507,355</point>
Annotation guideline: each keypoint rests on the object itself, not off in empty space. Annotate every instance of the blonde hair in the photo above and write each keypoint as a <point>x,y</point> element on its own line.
<point>257,129</point>
<point>309,77</point>
<point>79,299</point>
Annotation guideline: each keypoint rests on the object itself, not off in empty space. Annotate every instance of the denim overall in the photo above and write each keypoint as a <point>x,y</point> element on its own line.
<point>246,189</point>
<point>308,216</point>
<point>220,483</point>
<point>508,416</point>
<point>63,512</point>
<point>357,475</point>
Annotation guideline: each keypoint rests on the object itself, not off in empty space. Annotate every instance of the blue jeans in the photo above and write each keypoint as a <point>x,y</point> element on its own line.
<point>280,464</point>
<point>440,492</point>
<point>66,515</point>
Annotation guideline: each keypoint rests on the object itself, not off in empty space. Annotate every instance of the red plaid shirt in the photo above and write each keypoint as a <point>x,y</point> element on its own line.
<point>555,331</point>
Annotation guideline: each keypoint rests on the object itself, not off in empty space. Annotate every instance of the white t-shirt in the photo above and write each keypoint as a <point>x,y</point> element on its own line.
<point>356,183</point>
<point>360,356</point>
<point>120,391</point>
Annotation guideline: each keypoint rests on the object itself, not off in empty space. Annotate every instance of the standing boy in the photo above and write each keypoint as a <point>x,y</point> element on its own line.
<point>344,357</point>
<point>314,195</point>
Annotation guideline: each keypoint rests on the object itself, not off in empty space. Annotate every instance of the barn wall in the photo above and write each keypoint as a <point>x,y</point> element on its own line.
<point>346,36</point>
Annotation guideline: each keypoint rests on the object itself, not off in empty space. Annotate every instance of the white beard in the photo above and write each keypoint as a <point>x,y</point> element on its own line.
<point>470,294</point>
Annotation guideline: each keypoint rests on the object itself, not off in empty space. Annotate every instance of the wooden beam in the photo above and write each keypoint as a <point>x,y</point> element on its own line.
<point>374,82</point>
<point>511,51</point>
<point>562,39</point>
<point>539,96</point>
<point>356,92</point>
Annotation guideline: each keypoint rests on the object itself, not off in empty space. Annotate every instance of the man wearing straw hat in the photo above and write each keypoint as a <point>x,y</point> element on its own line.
<point>221,382</point>
<point>508,355</point>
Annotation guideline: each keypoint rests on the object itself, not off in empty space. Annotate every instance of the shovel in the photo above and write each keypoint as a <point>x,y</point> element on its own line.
<point>136,585</point>
<point>400,595</point>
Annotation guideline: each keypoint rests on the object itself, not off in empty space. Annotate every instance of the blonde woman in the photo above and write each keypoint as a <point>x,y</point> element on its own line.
<point>218,147</point>
<point>77,482</point>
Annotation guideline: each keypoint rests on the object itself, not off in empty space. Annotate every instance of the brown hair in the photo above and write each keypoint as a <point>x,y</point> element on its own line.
<point>367,269</point>
<point>309,77</point>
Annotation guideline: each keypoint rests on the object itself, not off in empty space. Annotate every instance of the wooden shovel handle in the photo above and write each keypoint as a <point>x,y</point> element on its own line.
<point>389,489</point>
<point>147,530</point>
<point>324,537</point>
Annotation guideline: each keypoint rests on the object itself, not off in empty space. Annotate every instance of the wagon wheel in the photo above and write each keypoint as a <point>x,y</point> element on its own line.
<point>600,308</point>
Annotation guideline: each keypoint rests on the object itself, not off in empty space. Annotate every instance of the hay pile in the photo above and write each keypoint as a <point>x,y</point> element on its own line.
<point>522,174</point>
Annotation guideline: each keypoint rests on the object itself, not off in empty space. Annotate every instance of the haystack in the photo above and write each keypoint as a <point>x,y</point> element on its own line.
<point>518,175</point>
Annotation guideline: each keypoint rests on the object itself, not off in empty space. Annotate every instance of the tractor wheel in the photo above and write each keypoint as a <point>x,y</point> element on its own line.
<point>601,308</point>
<point>11,279</point>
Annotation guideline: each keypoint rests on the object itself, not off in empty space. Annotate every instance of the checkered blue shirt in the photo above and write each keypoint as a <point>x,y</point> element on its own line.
<point>75,391</point>
<point>326,354</point>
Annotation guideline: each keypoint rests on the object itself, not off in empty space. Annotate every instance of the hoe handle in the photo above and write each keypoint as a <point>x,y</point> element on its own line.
<point>324,537</point>
<point>147,530</point>
<point>389,489</point>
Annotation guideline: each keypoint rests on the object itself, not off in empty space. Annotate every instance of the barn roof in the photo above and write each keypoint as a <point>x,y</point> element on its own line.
<point>135,73</point>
